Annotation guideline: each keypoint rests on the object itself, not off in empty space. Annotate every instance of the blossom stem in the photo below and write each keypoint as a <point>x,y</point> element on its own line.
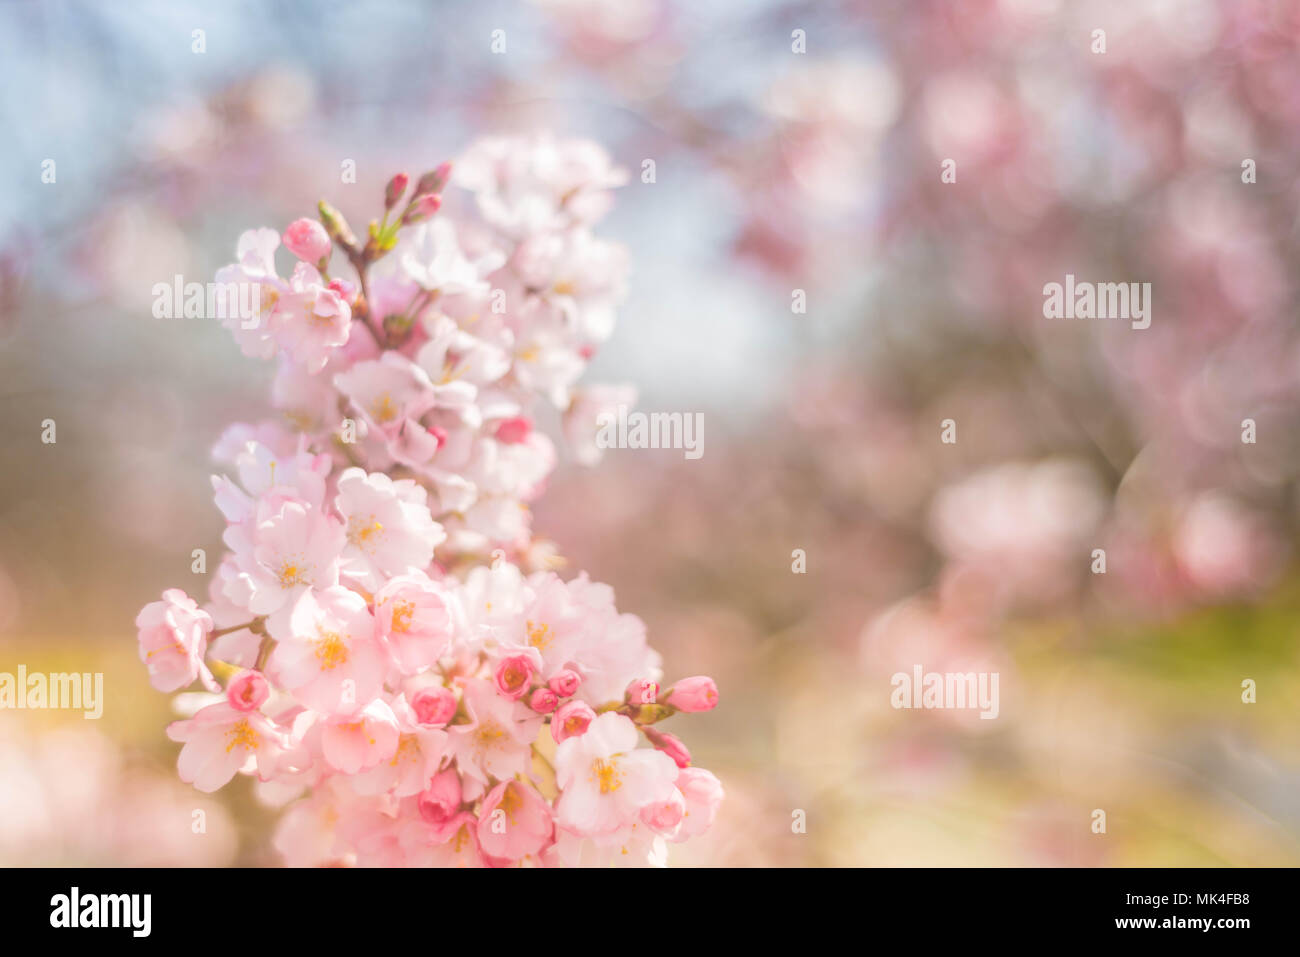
<point>253,625</point>
<point>361,264</point>
<point>264,652</point>
<point>541,757</point>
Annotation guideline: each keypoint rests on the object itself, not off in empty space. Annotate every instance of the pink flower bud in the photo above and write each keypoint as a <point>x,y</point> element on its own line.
<point>514,675</point>
<point>703,793</point>
<point>665,816</point>
<point>438,433</point>
<point>435,181</point>
<point>423,208</point>
<point>516,430</point>
<point>247,690</point>
<point>307,240</point>
<point>440,800</point>
<point>344,289</point>
<point>571,720</point>
<point>543,701</point>
<point>565,683</point>
<point>693,694</point>
<point>672,746</point>
<point>642,691</point>
<point>434,706</point>
<point>395,189</point>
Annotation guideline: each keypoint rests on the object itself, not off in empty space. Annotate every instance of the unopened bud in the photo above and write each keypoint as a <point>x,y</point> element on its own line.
<point>515,430</point>
<point>670,745</point>
<point>565,683</point>
<point>543,700</point>
<point>335,224</point>
<point>573,718</point>
<point>435,705</point>
<point>395,189</point>
<point>423,208</point>
<point>434,182</point>
<point>307,239</point>
<point>641,691</point>
<point>693,694</point>
<point>247,690</point>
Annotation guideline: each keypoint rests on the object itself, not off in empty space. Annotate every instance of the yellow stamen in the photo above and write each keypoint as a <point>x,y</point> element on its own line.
<point>459,841</point>
<point>403,612</point>
<point>408,749</point>
<point>331,650</point>
<point>606,773</point>
<point>176,647</point>
<point>512,801</point>
<point>361,531</point>
<point>292,574</point>
<point>488,735</point>
<point>383,409</point>
<point>242,735</point>
<point>540,635</point>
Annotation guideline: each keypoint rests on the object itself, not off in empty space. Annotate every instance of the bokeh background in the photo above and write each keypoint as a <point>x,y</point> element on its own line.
<point>775,171</point>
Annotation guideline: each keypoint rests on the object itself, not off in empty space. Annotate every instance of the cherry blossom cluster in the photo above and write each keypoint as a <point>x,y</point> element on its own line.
<point>386,647</point>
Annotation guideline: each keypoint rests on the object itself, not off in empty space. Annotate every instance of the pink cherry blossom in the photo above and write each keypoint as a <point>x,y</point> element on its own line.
<point>454,844</point>
<point>415,620</point>
<point>396,669</point>
<point>665,817</point>
<point>514,822</point>
<point>496,742</point>
<point>221,741</point>
<point>703,794</point>
<point>279,554</point>
<point>434,261</point>
<point>419,752</point>
<point>313,321</point>
<point>388,392</point>
<point>354,742</point>
<point>439,802</point>
<point>605,779</point>
<point>389,528</point>
<point>329,660</point>
<point>307,239</point>
<point>255,263</point>
<point>173,640</point>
